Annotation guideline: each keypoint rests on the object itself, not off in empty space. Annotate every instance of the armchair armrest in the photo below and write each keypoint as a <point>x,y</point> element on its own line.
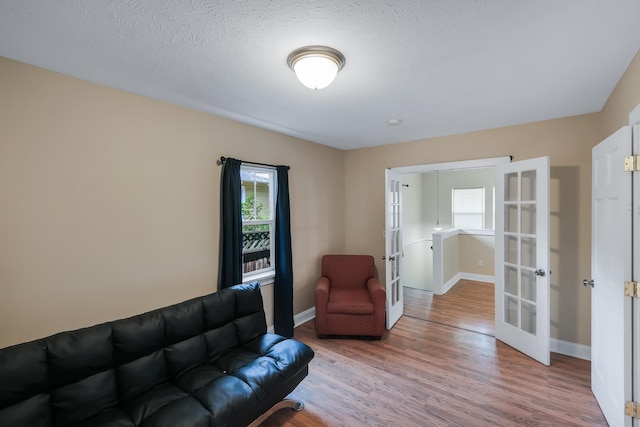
<point>321,301</point>
<point>322,294</point>
<point>377,292</point>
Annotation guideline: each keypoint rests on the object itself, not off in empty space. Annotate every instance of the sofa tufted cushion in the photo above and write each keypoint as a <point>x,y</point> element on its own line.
<point>204,362</point>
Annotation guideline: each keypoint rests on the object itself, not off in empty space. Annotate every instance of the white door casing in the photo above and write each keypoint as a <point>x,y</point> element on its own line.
<point>632,393</point>
<point>611,266</point>
<point>393,247</point>
<point>522,295</point>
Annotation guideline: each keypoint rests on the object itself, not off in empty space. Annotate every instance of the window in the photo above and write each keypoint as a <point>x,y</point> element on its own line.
<point>468,208</point>
<point>258,220</point>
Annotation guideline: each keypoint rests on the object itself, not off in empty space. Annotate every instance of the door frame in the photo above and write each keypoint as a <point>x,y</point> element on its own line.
<point>432,167</point>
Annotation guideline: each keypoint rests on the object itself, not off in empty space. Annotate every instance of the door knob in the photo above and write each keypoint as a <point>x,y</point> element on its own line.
<point>587,282</point>
<point>391,258</point>
<point>540,272</point>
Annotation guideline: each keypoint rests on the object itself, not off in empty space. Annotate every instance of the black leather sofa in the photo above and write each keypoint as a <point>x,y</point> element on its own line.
<point>204,362</point>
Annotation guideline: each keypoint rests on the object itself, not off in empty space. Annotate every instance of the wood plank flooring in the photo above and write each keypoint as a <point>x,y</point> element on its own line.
<point>423,373</point>
<point>468,305</point>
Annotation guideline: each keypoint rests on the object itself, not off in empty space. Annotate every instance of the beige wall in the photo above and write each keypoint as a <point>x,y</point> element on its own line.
<point>110,205</point>
<point>110,201</point>
<point>461,252</point>
<point>624,98</point>
<point>451,257</point>
<point>567,141</point>
<point>474,248</point>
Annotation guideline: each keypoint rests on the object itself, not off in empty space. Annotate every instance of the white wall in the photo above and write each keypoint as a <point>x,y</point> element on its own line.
<point>448,180</point>
<point>417,259</point>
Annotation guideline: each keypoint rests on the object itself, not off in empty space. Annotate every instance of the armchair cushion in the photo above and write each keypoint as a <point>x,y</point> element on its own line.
<point>350,301</point>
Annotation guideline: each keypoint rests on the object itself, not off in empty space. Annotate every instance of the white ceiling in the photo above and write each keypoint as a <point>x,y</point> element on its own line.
<point>441,67</point>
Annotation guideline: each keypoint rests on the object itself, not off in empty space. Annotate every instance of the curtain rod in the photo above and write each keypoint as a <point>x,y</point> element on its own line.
<point>222,159</point>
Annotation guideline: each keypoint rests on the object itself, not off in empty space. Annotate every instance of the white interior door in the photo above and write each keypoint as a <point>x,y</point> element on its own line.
<point>611,258</point>
<point>393,250</point>
<point>522,257</point>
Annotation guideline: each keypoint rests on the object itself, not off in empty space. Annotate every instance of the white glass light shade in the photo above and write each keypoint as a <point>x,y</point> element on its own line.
<point>315,72</point>
<point>316,66</point>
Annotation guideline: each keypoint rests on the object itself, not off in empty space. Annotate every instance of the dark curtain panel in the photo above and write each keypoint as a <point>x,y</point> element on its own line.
<point>230,262</point>
<point>283,286</point>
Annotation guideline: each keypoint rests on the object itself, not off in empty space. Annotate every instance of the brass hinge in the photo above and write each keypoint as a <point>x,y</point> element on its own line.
<point>632,289</point>
<point>632,409</point>
<point>632,163</point>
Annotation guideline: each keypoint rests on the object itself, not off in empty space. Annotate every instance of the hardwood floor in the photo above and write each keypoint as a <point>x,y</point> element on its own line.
<point>468,305</point>
<point>423,373</point>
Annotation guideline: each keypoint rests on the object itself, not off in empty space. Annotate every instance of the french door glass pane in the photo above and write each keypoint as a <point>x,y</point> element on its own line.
<point>528,190</point>
<point>511,249</point>
<point>528,251</point>
<point>528,284</point>
<point>511,310</point>
<point>511,280</point>
<point>528,317</point>
<point>511,187</point>
<point>528,218</point>
<point>511,218</point>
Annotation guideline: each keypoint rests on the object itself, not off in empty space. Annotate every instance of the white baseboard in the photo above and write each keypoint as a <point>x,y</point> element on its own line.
<point>449,284</point>
<point>567,348</point>
<point>298,319</point>
<point>478,277</point>
<point>304,317</point>
<point>466,276</point>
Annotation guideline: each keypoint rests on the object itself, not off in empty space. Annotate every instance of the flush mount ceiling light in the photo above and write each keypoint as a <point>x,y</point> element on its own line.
<point>316,66</point>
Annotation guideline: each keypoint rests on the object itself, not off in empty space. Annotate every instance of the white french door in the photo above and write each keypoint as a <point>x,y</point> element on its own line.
<point>522,300</point>
<point>611,266</point>
<point>393,247</point>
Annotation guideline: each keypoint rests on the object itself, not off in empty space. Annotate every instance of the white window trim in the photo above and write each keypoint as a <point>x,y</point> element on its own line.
<point>266,275</point>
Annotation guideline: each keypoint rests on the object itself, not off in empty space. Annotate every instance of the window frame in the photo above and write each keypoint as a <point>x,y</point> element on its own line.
<point>482,214</point>
<point>263,275</point>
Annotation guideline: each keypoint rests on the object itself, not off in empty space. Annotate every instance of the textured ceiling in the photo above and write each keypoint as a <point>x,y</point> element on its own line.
<point>441,67</point>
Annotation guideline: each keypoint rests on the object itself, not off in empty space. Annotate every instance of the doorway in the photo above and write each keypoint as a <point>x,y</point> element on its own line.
<point>393,225</point>
<point>434,204</point>
<point>428,208</point>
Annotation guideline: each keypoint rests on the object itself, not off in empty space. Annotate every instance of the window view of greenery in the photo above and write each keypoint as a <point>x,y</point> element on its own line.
<point>252,211</point>
<point>257,220</point>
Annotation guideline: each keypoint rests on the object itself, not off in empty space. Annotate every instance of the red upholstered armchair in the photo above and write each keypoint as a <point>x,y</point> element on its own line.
<point>349,299</point>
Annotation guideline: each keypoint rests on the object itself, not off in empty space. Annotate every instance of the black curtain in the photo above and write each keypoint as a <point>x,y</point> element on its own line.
<point>283,285</point>
<point>230,262</point>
